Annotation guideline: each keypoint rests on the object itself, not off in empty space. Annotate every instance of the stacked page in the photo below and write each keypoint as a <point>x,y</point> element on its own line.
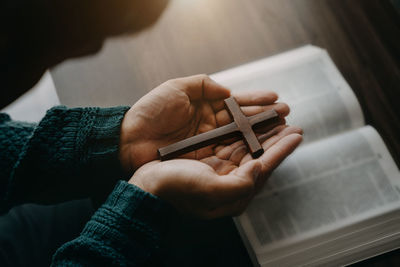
<point>336,200</point>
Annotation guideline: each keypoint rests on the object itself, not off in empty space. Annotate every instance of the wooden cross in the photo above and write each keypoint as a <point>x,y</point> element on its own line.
<point>241,126</point>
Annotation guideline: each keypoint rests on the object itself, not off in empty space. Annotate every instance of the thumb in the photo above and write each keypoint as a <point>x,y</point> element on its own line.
<point>238,184</point>
<point>203,87</point>
<point>250,170</point>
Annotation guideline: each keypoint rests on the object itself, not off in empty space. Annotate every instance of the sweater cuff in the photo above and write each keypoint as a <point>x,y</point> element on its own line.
<point>140,205</point>
<point>131,219</point>
<point>100,146</point>
<point>99,133</point>
<point>73,153</point>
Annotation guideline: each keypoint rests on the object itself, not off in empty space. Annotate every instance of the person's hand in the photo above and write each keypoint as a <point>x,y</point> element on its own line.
<point>179,109</point>
<point>220,185</point>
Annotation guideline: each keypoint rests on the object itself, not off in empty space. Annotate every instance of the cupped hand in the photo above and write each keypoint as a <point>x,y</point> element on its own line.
<point>181,108</point>
<point>220,185</point>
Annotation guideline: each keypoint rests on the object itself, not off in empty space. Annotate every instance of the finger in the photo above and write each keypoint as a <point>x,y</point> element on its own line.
<point>272,137</point>
<point>218,105</point>
<point>270,126</point>
<point>204,152</point>
<point>259,130</point>
<point>249,99</point>
<point>255,98</point>
<point>281,108</point>
<point>218,148</point>
<point>225,152</point>
<point>250,170</point>
<point>213,90</point>
<point>223,117</point>
<point>275,154</point>
<point>236,204</point>
<point>240,149</point>
<point>238,184</point>
<point>238,154</point>
<point>202,87</point>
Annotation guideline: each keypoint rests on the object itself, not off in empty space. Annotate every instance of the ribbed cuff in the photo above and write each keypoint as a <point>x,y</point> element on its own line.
<point>131,220</point>
<point>99,136</point>
<point>140,206</point>
<point>73,153</point>
<point>100,140</point>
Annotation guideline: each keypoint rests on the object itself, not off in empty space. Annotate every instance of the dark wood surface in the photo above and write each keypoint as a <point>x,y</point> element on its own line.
<point>206,36</point>
<point>193,36</point>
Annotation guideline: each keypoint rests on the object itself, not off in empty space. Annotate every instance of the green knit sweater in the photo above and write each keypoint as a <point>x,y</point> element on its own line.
<point>72,154</point>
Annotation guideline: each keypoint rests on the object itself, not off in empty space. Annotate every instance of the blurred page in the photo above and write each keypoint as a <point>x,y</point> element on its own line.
<point>321,101</point>
<point>323,186</point>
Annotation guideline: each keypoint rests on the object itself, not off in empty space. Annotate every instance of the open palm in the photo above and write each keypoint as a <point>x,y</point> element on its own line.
<point>179,109</point>
<point>219,185</point>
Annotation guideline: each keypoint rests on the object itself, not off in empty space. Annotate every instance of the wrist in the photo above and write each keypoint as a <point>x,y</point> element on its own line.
<point>130,220</point>
<point>125,147</point>
<point>130,138</point>
<point>144,178</point>
<point>101,150</point>
<point>75,154</point>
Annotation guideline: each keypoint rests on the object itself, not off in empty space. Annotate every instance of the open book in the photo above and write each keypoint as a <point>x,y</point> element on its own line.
<point>336,199</point>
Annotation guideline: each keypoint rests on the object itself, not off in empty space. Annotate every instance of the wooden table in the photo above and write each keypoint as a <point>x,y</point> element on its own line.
<point>206,36</point>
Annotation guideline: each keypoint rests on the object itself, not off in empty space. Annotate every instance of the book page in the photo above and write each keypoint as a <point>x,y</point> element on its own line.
<point>321,101</point>
<point>323,186</point>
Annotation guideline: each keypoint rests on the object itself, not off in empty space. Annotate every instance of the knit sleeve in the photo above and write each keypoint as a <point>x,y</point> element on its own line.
<point>125,231</point>
<point>70,154</point>
<point>13,137</point>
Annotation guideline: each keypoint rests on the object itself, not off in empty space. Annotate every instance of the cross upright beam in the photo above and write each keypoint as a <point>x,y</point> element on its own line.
<point>241,126</point>
<point>244,127</point>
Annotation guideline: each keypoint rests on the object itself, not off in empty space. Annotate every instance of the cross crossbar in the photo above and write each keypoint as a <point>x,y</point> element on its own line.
<point>241,126</point>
